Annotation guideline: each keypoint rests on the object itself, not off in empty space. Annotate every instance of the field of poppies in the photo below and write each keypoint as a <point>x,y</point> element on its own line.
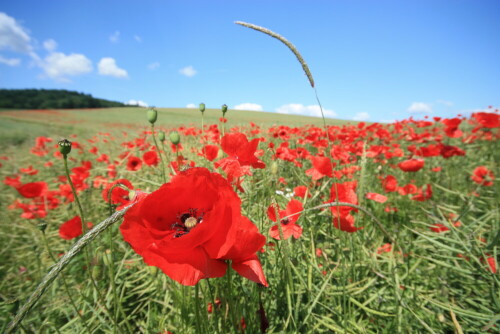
<point>352,228</point>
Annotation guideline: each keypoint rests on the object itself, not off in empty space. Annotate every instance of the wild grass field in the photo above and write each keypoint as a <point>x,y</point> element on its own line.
<point>263,224</point>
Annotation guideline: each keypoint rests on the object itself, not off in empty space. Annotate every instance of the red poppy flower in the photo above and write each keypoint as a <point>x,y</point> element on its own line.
<point>422,195</point>
<point>390,184</point>
<point>119,195</point>
<point>376,197</point>
<point>408,189</point>
<point>322,166</point>
<point>29,171</point>
<point>438,228</point>
<point>72,228</point>
<point>33,189</point>
<point>411,165</point>
<point>210,152</point>
<point>288,225</point>
<point>487,120</point>
<point>301,191</point>
<point>385,248</point>
<point>190,226</point>
<point>134,163</point>
<point>483,176</point>
<point>237,147</point>
<point>151,158</point>
<point>14,182</point>
<point>342,218</point>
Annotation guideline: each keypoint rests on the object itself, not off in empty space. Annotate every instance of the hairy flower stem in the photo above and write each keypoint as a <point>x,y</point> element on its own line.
<point>65,284</point>
<point>73,190</point>
<point>197,308</point>
<point>164,177</point>
<point>60,265</point>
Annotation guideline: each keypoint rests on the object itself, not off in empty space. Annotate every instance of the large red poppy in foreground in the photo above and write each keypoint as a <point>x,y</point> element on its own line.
<point>190,226</point>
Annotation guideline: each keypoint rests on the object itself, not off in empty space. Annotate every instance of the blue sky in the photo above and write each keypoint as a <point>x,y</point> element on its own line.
<point>371,60</point>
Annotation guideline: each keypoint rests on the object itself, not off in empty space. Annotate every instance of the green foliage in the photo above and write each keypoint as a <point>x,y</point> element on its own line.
<point>51,99</point>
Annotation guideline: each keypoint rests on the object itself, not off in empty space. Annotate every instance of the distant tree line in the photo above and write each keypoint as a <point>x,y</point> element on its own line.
<point>51,99</point>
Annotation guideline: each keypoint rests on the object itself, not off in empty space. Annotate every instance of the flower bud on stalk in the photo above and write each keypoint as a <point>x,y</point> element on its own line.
<point>152,116</point>
<point>175,138</point>
<point>64,147</point>
<point>224,109</point>
<point>161,136</point>
<point>202,107</point>
<point>274,168</point>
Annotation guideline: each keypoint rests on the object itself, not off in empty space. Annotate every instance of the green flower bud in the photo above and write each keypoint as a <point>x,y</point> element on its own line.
<point>175,138</point>
<point>224,109</point>
<point>42,225</point>
<point>274,168</point>
<point>161,136</point>
<point>152,116</point>
<point>64,147</point>
<point>202,107</point>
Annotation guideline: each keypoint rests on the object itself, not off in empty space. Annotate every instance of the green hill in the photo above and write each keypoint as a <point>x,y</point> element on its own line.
<point>51,99</point>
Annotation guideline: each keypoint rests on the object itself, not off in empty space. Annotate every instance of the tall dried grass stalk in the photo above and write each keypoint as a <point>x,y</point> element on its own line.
<point>284,41</point>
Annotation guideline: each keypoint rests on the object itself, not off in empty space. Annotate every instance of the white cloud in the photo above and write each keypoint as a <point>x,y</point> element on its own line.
<point>50,45</point>
<point>115,37</point>
<point>107,66</point>
<point>299,109</point>
<point>191,106</point>
<point>446,103</point>
<point>419,108</point>
<point>138,38</point>
<point>188,71</point>
<point>13,36</point>
<point>361,116</point>
<point>248,106</point>
<point>154,66</point>
<point>137,103</point>
<point>10,61</point>
<point>58,66</point>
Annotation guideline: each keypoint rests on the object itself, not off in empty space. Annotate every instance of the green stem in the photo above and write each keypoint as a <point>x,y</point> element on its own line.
<point>159,153</point>
<point>80,209</point>
<point>197,308</point>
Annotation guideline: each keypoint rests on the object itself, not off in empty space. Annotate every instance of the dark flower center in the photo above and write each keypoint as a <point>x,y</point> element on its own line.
<point>186,221</point>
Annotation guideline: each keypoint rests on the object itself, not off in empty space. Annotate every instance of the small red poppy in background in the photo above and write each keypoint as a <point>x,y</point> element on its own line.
<point>411,165</point>
<point>483,176</point>
<point>151,158</point>
<point>72,228</point>
<point>301,191</point>
<point>134,164</point>
<point>288,225</point>
<point>322,166</point>
<point>237,147</point>
<point>119,195</point>
<point>342,218</point>
<point>191,226</point>
<point>33,189</point>
<point>210,152</point>
<point>385,248</point>
<point>376,197</point>
<point>29,171</point>
<point>423,195</point>
<point>390,184</point>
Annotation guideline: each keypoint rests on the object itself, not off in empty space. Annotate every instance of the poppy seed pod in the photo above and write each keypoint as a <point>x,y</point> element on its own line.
<point>202,107</point>
<point>64,146</point>
<point>161,136</point>
<point>224,109</point>
<point>175,138</point>
<point>152,116</point>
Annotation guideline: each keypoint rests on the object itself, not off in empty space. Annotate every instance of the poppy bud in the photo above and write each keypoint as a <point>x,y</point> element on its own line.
<point>174,137</point>
<point>274,168</point>
<point>64,147</point>
<point>161,136</point>
<point>152,115</point>
<point>224,109</point>
<point>42,226</point>
<point>202,107</point>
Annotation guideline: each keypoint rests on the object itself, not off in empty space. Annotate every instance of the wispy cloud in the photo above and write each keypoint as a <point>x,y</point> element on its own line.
<point>188,71</point>
<point>138,103</point>
<point>138,38</point>
<point>10,61</point>
<point>154,66</point>
<point>300,109</point>
<point>115,37</point>
<point>361,116</point>
<point>419,108</point>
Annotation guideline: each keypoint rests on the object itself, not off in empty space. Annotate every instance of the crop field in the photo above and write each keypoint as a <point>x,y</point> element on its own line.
<point>145,221</point>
